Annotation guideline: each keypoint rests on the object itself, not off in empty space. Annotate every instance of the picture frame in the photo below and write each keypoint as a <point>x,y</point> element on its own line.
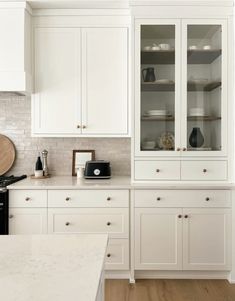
<point>79,159</point>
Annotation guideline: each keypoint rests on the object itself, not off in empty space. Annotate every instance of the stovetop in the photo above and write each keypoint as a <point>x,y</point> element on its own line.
<point>8,180</point>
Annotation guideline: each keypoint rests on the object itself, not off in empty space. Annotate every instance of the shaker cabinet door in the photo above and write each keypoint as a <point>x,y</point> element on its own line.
<point>206,238</point>
<point>158,238</point>
<point>105,81</point>
<point>56,101</point>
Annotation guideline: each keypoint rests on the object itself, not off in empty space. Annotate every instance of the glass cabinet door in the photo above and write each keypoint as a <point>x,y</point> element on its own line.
<point>158,89</point>
<point>205,88</point>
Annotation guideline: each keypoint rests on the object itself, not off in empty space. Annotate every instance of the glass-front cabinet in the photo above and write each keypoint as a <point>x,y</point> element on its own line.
<point>181,88</point>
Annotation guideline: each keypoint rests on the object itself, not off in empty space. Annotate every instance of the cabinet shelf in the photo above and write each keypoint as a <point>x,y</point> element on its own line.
<point>172,118</point>
<point>170,87</point>
<point>163,57</point>
<point>203,118</point>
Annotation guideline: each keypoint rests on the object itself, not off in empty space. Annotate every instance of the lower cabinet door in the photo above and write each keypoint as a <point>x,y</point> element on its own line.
<point>158,239</point>
<point>113,221</point>
<point>206,239</point>
<point>117,255</point>
<point>27,221</point>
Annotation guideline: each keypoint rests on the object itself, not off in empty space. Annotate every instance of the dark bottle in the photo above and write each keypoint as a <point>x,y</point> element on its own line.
<point>196,138</point>
<point>38,163</point>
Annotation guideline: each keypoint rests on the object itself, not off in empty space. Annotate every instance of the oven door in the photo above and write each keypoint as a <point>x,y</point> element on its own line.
<point>3,211</point>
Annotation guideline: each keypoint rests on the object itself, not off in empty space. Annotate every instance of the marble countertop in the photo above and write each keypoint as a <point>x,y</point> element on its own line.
<point>116,182</point>
<point>51,267</point>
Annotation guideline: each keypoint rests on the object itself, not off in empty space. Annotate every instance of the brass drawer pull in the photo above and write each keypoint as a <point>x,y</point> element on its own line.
<point>67,224</point>
<point>204,170</point>
<point>186,216</point>
<point>158,199</point>
<point>108,255</point>
<point>108,198</point>
<point>27,199</point>
<point>11,216</point>
<point>157,170</point>
<point>207,199</point>
<point>108,223</point>
<point>179,216</point>
<point>67,199</point>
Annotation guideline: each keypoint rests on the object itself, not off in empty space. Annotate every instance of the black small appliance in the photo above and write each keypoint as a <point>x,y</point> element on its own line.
<point>97,170</point>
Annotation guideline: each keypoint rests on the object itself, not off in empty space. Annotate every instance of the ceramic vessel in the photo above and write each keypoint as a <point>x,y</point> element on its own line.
<point>196,138</point>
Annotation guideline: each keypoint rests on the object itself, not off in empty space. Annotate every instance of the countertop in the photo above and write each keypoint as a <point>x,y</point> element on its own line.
<point>118,182</point>
<point>51,267</point>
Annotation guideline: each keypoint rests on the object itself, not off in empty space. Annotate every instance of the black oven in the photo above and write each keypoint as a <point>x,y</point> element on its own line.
<point>4,211</point>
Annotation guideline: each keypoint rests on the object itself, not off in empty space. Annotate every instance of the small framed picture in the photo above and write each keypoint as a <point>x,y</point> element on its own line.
<point>79,159</point>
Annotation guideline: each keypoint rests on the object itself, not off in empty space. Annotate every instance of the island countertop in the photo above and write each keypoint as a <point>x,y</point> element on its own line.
<point>51,267</point>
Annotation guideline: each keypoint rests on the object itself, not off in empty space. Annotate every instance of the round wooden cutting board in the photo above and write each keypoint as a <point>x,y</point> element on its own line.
<point>7,154</point>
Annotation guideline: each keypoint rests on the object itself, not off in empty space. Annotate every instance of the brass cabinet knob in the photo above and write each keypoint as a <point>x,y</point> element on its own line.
<point>178,149</point>
<point>108,198</point>
<point>108,223</point>
<point>184,149</point>
<point>11,216</point>
<point>157,170</point>
<point>186,216</point>
<point>78,126</point>
<point>108,255</point>
<point>158,199</point>
<point>27,199</point>
<point>84,127</point>
<point>207,199</point>
<point>67,199</point>
<point>67,224</point>
<point>179,216</point>
<point>204,170</point>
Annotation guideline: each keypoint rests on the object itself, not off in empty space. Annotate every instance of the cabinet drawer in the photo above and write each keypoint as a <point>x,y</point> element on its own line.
<point>114,222</point>
<point>157,170</point>
<point>204,170</point>
<point>27,198</point>
<point>117,255</point>
<point>88,198</point>
<point>182,198</point>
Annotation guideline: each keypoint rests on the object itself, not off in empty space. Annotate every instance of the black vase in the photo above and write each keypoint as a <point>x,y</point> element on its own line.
<point>196,138</point>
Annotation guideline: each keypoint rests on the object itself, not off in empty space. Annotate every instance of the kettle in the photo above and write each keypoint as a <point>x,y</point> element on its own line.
<point>148,75</point>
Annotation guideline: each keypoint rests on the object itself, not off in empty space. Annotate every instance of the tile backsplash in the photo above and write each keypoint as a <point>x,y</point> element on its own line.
<point>15,122</point>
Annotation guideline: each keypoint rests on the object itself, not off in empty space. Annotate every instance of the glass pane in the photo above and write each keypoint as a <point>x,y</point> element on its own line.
<point>157,88</point>
<point>204,88</point>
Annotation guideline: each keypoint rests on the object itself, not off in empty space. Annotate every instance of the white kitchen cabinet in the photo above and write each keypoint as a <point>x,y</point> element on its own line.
<point>158,239</point>
<point>27,221</point>
<point>57,92</point>
<point>181,98</point>
<point>206,239</point>
<point>113,221</point>
<point>81,81</point>
<point>15,48</point>
<point>182,238</point>
<point>105,81</point>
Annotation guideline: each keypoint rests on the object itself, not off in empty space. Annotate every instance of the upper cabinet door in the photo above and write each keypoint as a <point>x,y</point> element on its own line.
<point>57,98</point>
<point>105,81</point>
<point>157,87</point>
<point>204,79</point>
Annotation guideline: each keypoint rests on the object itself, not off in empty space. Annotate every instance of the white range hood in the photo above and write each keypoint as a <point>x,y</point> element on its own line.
<point>15,47</point>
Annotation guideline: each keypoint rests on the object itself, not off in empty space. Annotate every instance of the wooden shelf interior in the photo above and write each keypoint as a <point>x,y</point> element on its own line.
<point>172,118</point>
<point>192,86</point>
<point>162,57</point>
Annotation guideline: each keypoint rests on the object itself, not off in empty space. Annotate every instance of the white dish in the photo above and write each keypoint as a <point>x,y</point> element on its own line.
<point>207,47</point>
<point>193,47</point>
<point>164,81</point>
<point>165,46</point>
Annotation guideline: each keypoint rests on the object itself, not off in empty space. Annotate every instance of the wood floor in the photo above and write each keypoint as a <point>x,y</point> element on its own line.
<point>169,290</point>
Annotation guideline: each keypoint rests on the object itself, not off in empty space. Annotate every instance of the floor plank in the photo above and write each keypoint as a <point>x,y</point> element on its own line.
<point>169,290</point>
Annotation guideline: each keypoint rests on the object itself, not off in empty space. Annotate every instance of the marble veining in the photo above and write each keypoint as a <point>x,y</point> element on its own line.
<point>51,267</point>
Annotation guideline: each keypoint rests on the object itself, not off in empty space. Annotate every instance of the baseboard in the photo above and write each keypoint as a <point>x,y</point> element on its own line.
<point>182,274</point>
<point>169,275</point>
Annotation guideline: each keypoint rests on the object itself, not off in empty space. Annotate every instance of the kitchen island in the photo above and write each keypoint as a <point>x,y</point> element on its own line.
<point>52,267</point>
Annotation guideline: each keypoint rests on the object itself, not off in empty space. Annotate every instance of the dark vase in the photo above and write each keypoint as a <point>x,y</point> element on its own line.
<point>196,138</point>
